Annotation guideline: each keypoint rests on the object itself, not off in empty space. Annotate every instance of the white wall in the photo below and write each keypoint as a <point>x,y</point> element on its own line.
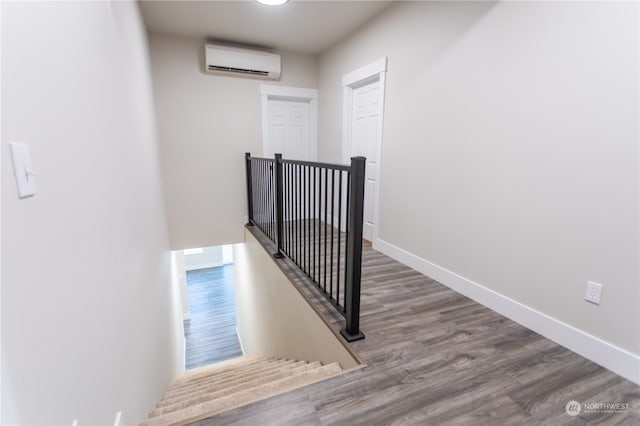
<point>205,125</point>
<point>511,143</point>
<point>90,321</point>
<point>180,277</point>
<point>273,318</point>
<point>209,258</point>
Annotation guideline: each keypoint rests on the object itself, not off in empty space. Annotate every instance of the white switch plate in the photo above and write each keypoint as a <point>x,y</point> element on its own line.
<point>118,418</point>
<point>22,169</point>
<point>594,292</point>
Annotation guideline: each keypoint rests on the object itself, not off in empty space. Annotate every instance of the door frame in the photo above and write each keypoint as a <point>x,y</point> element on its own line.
<point>375,71</point>
<point>270,92</point>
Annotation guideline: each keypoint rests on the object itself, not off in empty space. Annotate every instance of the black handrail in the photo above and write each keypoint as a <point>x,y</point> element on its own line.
<point>310,211</point>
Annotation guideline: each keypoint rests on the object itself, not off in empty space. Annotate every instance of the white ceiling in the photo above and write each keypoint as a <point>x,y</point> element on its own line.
<point>305,26</point>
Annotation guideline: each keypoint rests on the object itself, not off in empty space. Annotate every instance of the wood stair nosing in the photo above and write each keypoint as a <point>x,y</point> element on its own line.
<point>210,408</point>
<point>207,395</point>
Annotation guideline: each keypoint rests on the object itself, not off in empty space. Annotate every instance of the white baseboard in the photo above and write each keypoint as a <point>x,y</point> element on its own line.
<point>240,341</point>
<point>593,348</point>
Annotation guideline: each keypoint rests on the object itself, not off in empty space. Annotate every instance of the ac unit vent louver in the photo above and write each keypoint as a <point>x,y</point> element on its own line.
<point>238,70</point>
<point>229,60</point>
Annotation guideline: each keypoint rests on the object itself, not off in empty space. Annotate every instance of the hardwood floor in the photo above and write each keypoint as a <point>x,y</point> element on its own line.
<point>436,357</point>
<point>211,330</point>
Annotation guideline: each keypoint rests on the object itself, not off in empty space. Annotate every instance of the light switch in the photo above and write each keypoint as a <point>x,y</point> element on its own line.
<point>22,169</point>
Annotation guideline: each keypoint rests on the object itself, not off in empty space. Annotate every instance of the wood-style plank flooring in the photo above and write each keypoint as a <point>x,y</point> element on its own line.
<point>436,357</point>
<point>210,332</point>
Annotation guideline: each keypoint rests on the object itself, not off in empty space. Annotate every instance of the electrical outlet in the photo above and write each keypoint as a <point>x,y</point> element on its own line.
<point>594,292</point>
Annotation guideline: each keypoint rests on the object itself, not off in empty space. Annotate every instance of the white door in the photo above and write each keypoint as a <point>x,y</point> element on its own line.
<point>289,129</point>
<point>365,128</point>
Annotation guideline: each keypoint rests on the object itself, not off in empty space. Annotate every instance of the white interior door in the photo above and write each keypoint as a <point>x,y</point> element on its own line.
<point>288,129</point>
<point>290,126</point>
<point>365,128</point>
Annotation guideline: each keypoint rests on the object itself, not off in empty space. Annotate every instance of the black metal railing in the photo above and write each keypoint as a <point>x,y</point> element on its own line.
<point>313,212</point>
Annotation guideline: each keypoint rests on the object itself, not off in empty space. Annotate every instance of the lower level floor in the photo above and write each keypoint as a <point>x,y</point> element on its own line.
<point>210,331</point>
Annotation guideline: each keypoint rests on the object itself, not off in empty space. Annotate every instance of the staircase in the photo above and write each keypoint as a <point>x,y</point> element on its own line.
<point>210,390</point>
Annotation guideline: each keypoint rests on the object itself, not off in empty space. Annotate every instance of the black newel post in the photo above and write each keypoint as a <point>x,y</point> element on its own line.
<point>354,253</point>
<point>247,159</point>
<point>279,207</point>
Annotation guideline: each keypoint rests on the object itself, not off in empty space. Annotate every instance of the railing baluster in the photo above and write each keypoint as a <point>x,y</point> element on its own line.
<point>313,225</point>
<point>307,222</point>
<point>278,205</point>
<point>300,248</point>
<point>270,200</point>
<point>291,212</point>
<point>333,199</point>
<point>260,171</point>
<point>318,222</point>
<point>295,209</point>
<point>285,207</point>
<point>290,194</point>
<point>261,195</point>
<point>265,190</point>
<point>326,191</point>
<point>346,238</point>
<point>264,199</point>
<point>267,196</point>
<point>304,216</point>
<point>266,207</point>
<point>339,235</point>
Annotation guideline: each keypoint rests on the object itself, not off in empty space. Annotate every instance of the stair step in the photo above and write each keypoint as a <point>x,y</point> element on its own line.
<point>219,368</point>
<point>217,392</point>
<point>226,376</point>
<point>243,397</point>
<point>214,385</point>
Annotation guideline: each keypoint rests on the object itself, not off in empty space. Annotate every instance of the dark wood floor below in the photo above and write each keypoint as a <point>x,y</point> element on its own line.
<point>436,357</point>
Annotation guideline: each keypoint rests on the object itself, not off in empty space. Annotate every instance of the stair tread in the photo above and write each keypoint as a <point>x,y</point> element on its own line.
<point>256,372</point>
<point>244,397</point>
<point>220,368</point>
<point>212,393</point>
<point>246,369</point>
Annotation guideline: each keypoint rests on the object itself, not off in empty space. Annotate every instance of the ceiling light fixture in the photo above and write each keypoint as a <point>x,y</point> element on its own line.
<point>272,2</point>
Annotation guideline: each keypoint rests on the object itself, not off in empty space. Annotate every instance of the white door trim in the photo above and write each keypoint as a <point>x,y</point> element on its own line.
<point>375,71</point>
<point>370,70</point>
<point>298,94</point>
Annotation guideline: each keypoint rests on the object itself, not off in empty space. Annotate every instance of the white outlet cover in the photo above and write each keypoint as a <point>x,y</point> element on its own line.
<point>594,292</point>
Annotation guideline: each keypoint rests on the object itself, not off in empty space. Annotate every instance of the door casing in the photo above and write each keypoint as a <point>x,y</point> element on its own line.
<point>375,71</point>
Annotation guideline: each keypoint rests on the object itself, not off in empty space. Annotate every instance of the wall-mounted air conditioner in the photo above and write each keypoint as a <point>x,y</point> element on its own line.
<point>229,60</point>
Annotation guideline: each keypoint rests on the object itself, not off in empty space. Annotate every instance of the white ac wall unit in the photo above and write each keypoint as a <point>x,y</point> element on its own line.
<point>228,60</point>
